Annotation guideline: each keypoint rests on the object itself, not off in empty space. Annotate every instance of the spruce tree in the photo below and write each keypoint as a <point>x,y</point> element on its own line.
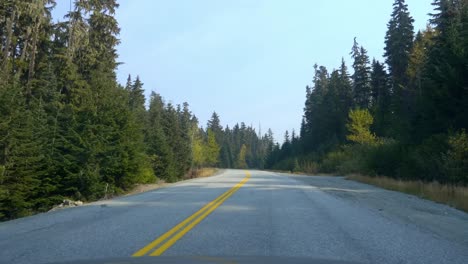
<point>361,77</point>
<point>398,47</point>
<point>381,99</point>
<point>399,43</point>
<point>443,103</point>
<point>158,147</point>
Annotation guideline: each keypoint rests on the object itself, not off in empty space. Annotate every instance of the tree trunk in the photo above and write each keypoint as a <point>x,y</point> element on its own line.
<point>32,60</point>
<point>6,48</point>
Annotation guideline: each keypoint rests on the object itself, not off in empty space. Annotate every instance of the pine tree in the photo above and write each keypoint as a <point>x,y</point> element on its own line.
<point>137,97</point>
<point>399,43</point>
<point>381,99</point>
<point>21,159</point>
<point>443,102</point>
<point>418,58</point>
<point>313,109</point>
<point>183,151</point>
<point>361,76</point>
<point>215,125</point>
<point>398,47</point>
<point>344,100</point>
<point>226,158</point>
<point>158,148</point>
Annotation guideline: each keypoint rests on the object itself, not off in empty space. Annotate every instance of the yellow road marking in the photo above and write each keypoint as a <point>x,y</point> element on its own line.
<point>169,233</point>
<point>201,214</point>
<point>174,239</point>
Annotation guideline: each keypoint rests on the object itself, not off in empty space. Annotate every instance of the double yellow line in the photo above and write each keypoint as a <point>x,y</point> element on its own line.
<point>172,236</point>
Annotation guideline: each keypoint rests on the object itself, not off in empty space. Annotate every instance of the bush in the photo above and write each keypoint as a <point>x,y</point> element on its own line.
<point>384,158</point>
<point>333,160</point>
<point>425,161</point>
<point>381,158</point>
<point>356,160</point>
<point>309,166</point>
<point>455,161</point>
<point>285,165</point>
<point>348,159</point>
<point>295,166</point>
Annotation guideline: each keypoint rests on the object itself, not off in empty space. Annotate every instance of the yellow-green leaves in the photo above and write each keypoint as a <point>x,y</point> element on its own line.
<point>359,127</point>
<point>212,149</point>
<point>241,163</point>
<point>198,152</point>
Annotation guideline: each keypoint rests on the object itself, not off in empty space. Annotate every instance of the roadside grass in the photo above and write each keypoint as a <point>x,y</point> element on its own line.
<point>201,173</point>
<point>145,187</point>
<point>198,173</point>
<point>302,173</point>
<point>455,196</point>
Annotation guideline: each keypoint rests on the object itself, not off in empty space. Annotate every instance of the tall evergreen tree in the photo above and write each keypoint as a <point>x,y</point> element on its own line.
<point>158,147</point>
<point>398,47</point>
<point>313,109</point>
<point>381,99</point>
<point>137,97</point>
<point>399,43</point>
<point>215,125</point>
<point>444,93</point>
<point>361,76</point>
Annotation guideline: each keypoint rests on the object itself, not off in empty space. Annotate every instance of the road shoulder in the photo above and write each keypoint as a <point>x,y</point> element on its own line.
<point>441,220</point>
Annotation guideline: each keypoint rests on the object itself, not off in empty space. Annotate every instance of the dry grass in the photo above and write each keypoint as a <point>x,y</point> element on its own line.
<point>139,188</point>
<point>200,173</point>
<point>455,196</point>
<point>203,172</point>
<point>303,173</point>
<point>206,172</point>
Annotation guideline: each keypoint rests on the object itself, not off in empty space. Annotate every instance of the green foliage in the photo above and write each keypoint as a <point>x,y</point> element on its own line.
<point>199,158</point>
<point>296,167</point>
<point>399,42</point>
<point>333,161</point>
<point>385,158</point>
<point>381,99</point>
<point>359,127</point>
<point>361,76</point>
<point>241,163</point>
<point>212,149</point>
<point>418,109</point>
<point>158,147</point>
<point>423,161</point>
<point>68,129</point>
<point>455,160</point>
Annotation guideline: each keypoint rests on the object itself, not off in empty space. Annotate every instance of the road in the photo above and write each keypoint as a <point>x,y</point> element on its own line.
<point>247,213</point>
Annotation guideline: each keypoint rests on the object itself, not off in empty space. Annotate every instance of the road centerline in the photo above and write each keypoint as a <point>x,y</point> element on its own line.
<point>178,231</point>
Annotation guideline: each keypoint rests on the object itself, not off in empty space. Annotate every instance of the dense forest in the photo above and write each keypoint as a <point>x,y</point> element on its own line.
<point>404,118</point>
<point>68,129</point>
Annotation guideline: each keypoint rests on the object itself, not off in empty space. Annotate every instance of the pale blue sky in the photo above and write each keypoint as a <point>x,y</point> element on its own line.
<point>248,60</point>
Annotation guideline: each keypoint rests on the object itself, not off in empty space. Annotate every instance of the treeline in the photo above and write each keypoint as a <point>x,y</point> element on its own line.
<point>240,147</point>
<point>68,129</point>
<point>405,118</point>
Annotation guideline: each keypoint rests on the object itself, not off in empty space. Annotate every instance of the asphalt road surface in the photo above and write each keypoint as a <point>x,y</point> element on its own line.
<point>247,213</point>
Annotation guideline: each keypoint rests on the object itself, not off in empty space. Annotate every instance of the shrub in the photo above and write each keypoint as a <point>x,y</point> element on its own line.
<point>425,161</point>
<point>333,160</point>
<point>384,158</point>
<point>309,166</point>
<point>455,160</point>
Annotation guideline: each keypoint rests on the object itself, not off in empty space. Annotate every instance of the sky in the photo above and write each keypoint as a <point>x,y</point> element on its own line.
<point>248,60</point>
